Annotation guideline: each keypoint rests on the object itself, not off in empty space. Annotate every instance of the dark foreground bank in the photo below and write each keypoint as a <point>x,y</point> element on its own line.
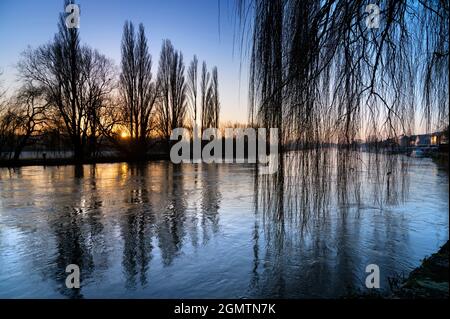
<point>430,280</point>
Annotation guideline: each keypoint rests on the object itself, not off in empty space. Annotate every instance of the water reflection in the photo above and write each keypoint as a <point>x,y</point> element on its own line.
<point>137,228</point>
<point>210,202</point>
<point>317,242</point>
<point>164,230</point>
<point>171,230</point>
<point>75,228</point>
<point>311,183</point>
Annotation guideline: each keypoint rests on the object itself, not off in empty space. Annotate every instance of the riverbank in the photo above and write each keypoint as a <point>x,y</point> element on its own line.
<point>441,158</point>
<point>430,280</point>
<point>71,161</point>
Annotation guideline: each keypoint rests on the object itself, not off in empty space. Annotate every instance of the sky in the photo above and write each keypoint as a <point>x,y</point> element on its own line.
<point>202,27</point>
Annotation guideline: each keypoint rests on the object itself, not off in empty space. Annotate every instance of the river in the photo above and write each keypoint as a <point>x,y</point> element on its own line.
<point>159,230</point>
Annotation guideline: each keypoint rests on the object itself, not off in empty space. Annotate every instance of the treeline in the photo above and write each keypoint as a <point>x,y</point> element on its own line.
<point>74,96</point>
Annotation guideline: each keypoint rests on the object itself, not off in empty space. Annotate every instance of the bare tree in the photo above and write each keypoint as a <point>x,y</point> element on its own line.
<point>2,94</point>
<point>215,104</point>
<point>74,78</point>
<point>20,117</point>
<point>98,77</point>
<point>204,87</point>
<point>192,87</point>
<point>172,106</point>
<point>28,116</point>
<point>138,89</point>
<point>3,123</point>
<point>8,126</point>
<point>164,72</point>
<point>178,91</point>
<point>6,123</point>
<point>210,98</point>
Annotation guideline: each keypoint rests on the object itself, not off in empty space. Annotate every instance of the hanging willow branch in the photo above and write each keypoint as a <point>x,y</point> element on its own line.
<point>321,74</point>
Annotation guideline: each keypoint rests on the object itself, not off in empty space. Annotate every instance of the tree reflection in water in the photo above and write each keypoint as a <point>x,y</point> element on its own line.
<point>305,209</point>
<point>163,230</point>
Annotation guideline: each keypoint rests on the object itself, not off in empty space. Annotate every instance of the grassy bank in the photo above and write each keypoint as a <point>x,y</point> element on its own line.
<point>428,281</point>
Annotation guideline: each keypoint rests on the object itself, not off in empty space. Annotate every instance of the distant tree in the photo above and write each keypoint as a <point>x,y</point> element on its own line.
<point>138,90</point>
<point>192,80</point>
<point>2,94</point>
<point>98,72</point>
<point>178,91</point>
<point>204,86</point>
<point>2,116</point>
<point>172,107</point>
<point>165,65</point>
<point>8,126</point>
<point>28,116</point>
<point>210,98</point>
<point>17,122</point>
<point>215,104</point>
<point>75,80</point>
<point>2,106</point>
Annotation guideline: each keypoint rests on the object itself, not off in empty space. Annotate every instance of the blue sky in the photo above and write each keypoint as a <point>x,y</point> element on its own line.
<point>194,27</point>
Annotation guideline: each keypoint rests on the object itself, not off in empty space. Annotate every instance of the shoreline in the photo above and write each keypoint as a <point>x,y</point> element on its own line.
<point>71,161</point>
<point>428,281</point>
<point>440,157</point>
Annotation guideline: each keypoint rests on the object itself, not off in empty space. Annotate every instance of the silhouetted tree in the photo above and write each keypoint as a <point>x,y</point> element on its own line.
<point>3,123</point>
<point>138,90</point>
<point>75,80</point>
<point>210,98</point>
<point>204,86</point>
<point>172,106</point>
<point>164,113</point>
<point>321,72</point>
<point>178,91</point>
<point>215,104</point>
<point>28,114</point>
<point>192,87</point>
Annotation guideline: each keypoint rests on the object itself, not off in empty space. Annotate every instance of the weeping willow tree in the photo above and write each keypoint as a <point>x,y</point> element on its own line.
<point>338,71</point>
<point>323,71</point>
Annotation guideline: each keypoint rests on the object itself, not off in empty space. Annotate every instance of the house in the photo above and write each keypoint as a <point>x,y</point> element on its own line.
<point>438,138</point>
<point>423,140</point>
<point>434,139</point>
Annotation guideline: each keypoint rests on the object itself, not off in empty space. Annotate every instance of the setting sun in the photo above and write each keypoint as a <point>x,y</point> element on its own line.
<point>124,135</point>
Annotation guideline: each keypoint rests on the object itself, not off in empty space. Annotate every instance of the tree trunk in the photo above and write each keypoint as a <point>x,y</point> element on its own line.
<point>78,152</point>
<point>19,148</point>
